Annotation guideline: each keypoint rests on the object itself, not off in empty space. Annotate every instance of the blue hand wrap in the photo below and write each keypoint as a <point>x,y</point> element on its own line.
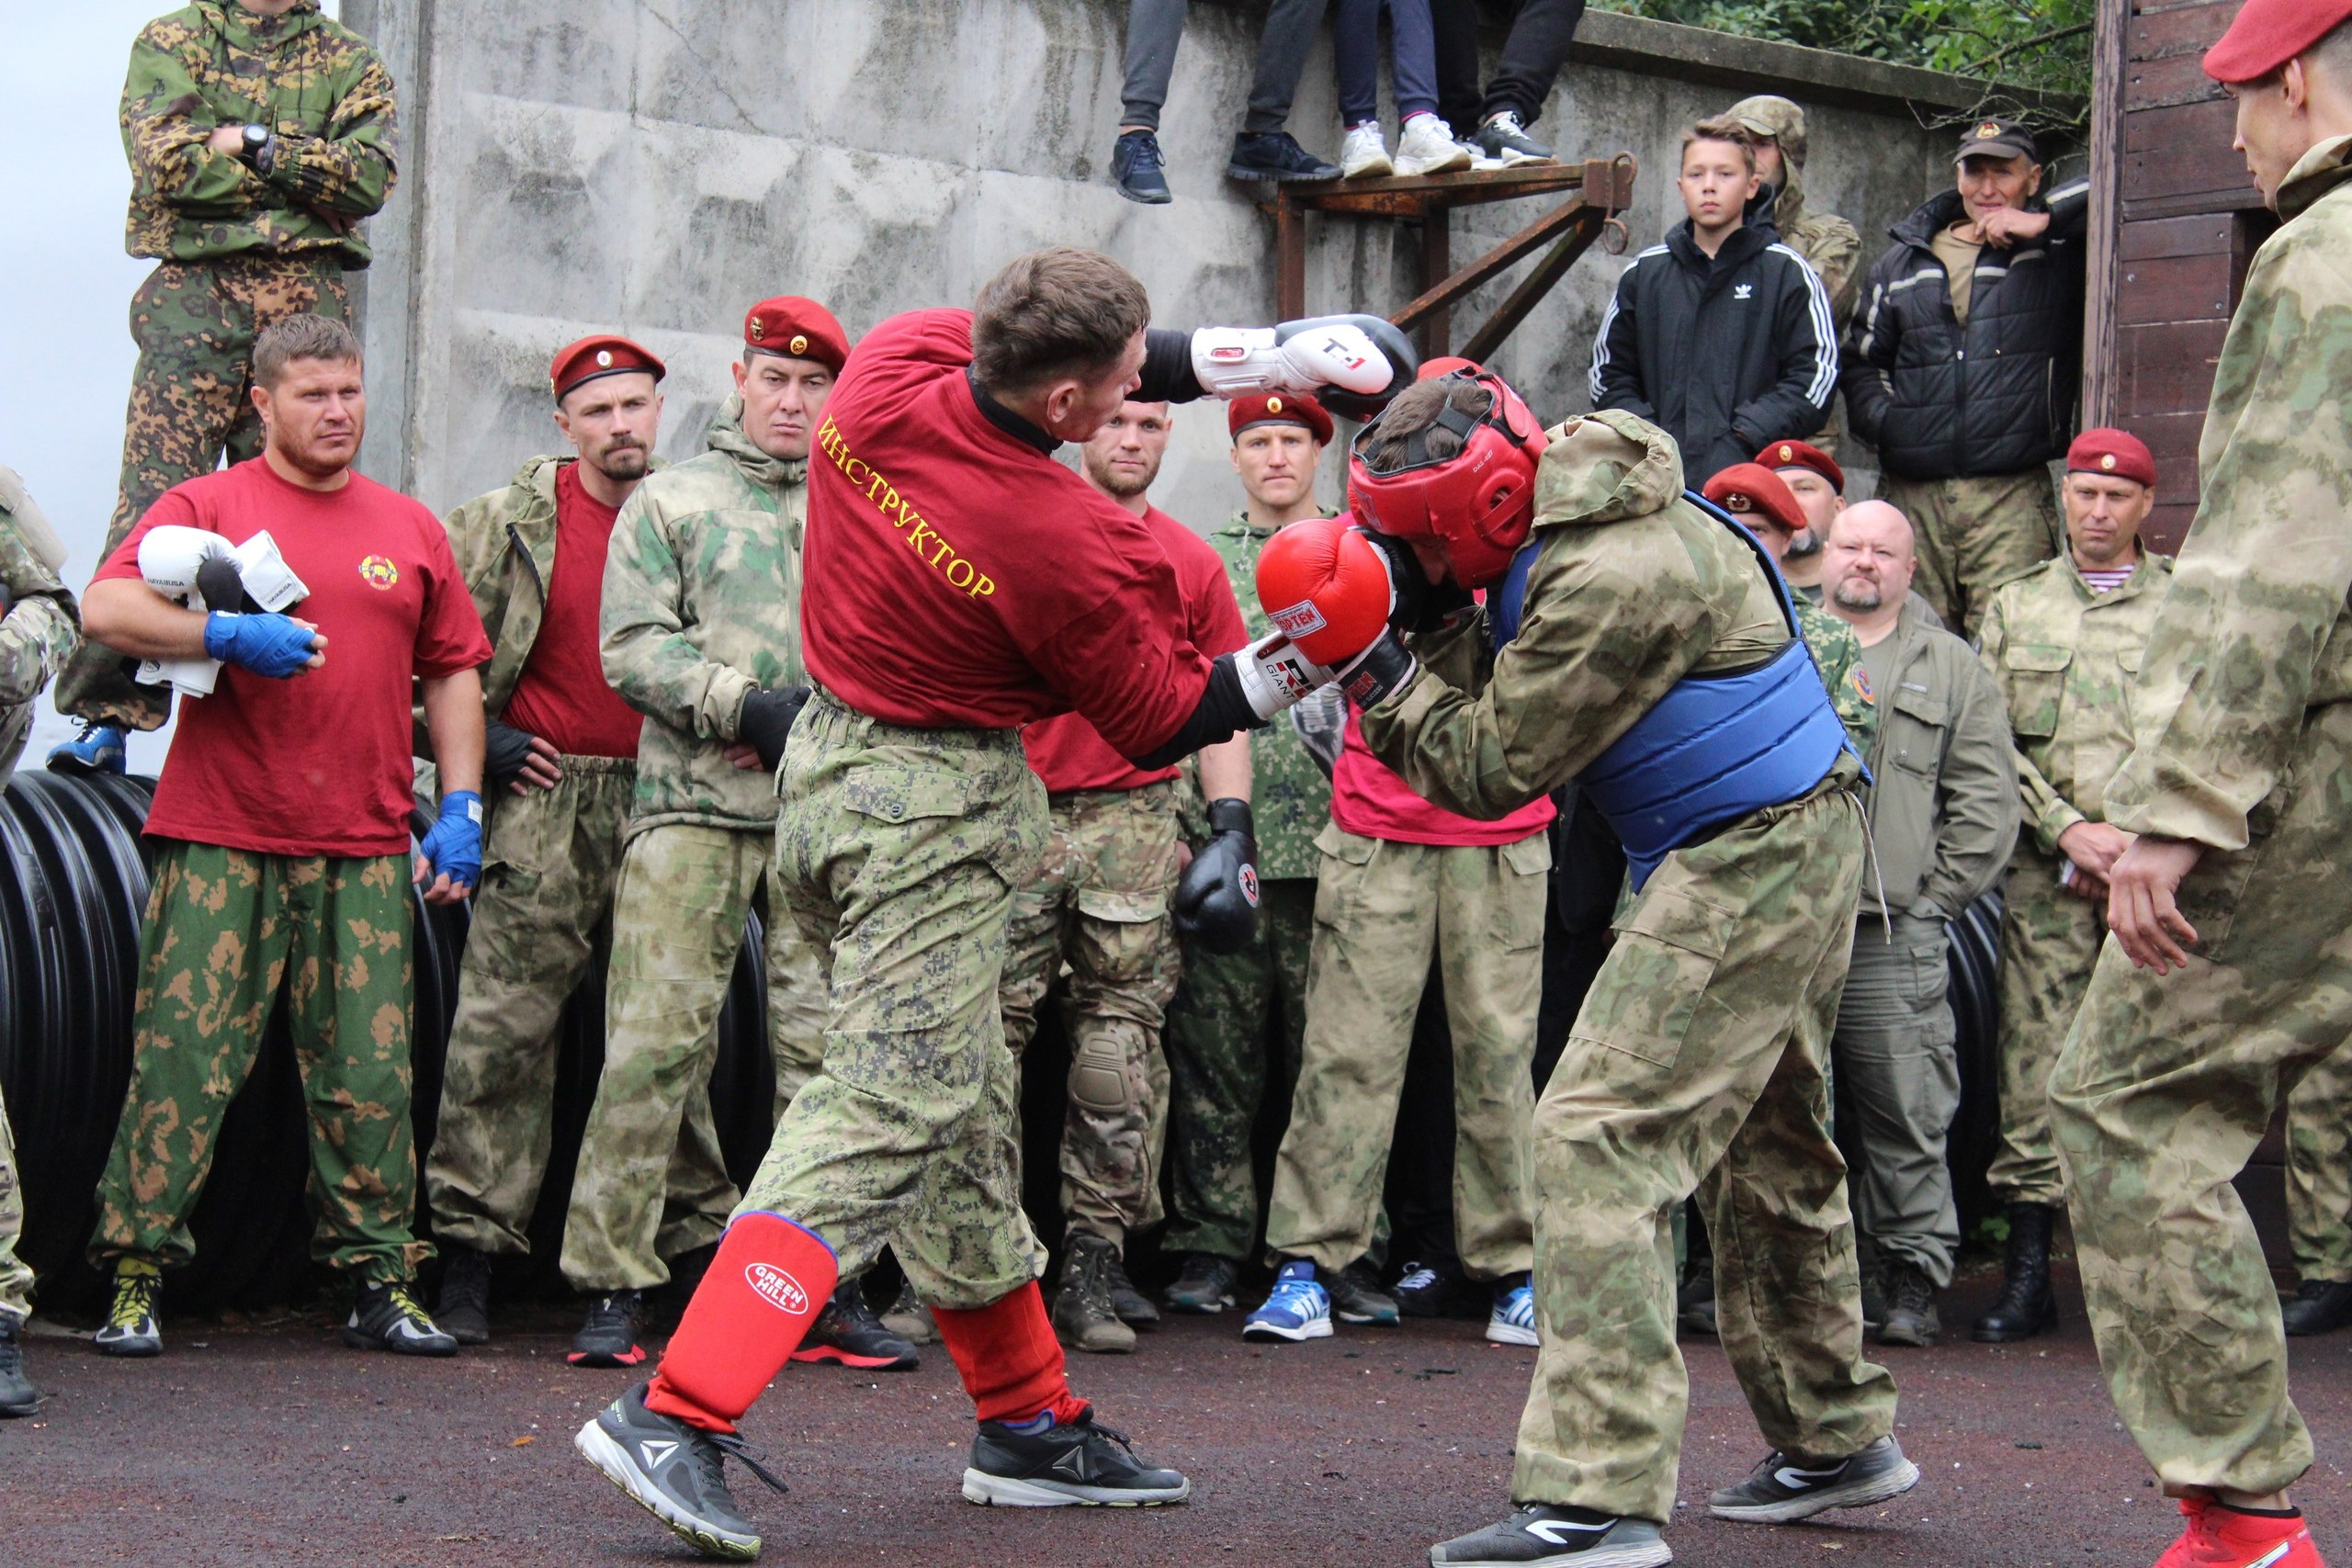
<point>454,846</point>
<point>265,644</point>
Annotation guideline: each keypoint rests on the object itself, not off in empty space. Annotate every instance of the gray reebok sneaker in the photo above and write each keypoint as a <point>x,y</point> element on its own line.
<point>676,1472</point>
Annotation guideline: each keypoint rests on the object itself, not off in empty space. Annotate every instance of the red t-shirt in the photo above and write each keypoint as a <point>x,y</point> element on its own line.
<point>1370,801</point>
<point>317,764</point>
<point>1068,752</point>
<point>956,577</point>
<point>562,697</point>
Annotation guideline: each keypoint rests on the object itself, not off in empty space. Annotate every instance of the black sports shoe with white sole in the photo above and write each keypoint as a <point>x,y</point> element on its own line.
<point>1543,1533</point>
<point>1781,1491</point>
<point>1079,1463</point>
<point>676,1472</point>
<point>389,1317</point>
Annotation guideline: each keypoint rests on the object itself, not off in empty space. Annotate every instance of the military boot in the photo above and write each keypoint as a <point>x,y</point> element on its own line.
<point>1911,1316</point>
<point>1084,1315</point>
<point>2026,1305</point>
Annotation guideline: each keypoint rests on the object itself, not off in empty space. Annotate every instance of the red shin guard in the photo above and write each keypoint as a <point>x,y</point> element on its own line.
<point>1008,1359</point>
<point>766,1285</point>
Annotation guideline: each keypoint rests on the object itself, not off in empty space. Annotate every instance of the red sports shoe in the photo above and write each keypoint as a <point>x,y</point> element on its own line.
<point>2219,1537</point>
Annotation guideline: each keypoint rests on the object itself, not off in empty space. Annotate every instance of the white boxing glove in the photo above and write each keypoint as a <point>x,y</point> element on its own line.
<point>189,677</point>
<point>269,581</point>
<point>1354,364</point>
<point>1276,674</point>
<point>170,556</point>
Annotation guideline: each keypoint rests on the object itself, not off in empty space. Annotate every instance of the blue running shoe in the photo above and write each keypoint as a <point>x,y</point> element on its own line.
<point>98,749</point>
<point>1298,1309</point>
<point>1513,1320</point>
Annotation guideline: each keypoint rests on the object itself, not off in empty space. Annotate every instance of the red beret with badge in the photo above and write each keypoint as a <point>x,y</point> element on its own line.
<point>2117,454</point>
<point>2266,34</point>
<point>1798,455</point>
<point>1752,492</point>
<point>605,353</point>
<point>1278,408</point>
<point>796,329</point>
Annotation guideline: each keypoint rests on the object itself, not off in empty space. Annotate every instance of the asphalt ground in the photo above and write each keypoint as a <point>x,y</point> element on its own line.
<point>267,1442</point>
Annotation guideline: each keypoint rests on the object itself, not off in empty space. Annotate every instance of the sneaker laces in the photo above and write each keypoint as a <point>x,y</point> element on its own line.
<point>1506,122</point>
<point>619,1309</point>
<point>404,1303</point>
<point>712,1461</point>
<point>1145,150</point>
<point>1420,1277</point>
<point>1294,1293</point>
<point>134,1299</point>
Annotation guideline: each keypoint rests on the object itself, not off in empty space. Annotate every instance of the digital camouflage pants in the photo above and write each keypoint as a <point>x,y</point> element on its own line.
<point>1100,901</point>
<point>1973,535</point>
<point>191,406</point>
<point>896,854</point>
<point>2319,1170</point>
<point>2165,1086</point>
<point>2050,940</point>
<point>1383,910</point>
<point>1238,1023</point>
<point>651,1183</point>
<point>16,1276</point>
<point>224,933</point>
<point>1691,1051</point>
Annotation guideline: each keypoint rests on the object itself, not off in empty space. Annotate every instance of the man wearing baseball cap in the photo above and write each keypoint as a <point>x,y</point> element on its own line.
<point>560,768</point>
<point>1964,366</point>
<point>2231,917</point>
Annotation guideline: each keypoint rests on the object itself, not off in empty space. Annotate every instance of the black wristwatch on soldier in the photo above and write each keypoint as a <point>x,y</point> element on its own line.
<point>259,150</point>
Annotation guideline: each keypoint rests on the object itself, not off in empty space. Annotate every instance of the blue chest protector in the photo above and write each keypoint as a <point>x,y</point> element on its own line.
<point>1714,747</point>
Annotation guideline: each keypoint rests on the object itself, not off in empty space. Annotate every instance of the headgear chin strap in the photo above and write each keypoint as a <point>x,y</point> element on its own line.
<point>1478,502</point>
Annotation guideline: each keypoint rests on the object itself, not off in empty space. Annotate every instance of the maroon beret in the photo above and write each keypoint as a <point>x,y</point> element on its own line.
<point>601,355</point>
<point>1278,408</point>
<point>2117,454</point>
<point>2269,33</point>
<point>1797,455</point>
<point>1751,489</point>
<point>797,329</point>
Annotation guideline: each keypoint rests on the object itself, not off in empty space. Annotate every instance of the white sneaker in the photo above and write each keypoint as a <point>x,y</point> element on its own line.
<point>1363,155</point>
<point>1426,147</point>
<point>1479,162</point>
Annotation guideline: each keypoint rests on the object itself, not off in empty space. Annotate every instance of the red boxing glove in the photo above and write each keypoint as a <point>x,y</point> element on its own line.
<point>1326,587</point>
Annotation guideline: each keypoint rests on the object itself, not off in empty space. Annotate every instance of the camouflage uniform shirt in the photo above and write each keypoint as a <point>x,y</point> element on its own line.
<point>40,628</point>
<point>1290,796</point>
<point>1838,656</point>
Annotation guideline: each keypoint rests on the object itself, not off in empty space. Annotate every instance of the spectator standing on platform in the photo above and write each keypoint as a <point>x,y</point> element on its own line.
<point>1494,124</point>
<point>1425,144</point>
<point>1263,150</point>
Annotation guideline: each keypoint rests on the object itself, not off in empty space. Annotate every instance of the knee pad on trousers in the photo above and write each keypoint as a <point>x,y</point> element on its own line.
<point>768,1281</point>
<point>1098,1078</point>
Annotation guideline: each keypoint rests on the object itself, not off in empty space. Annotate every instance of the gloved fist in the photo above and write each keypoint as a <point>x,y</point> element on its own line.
<point>1326,585</point>
<point>507,752</point>
<point>275,646</point>
<point>1274,674</point>
<point>1322,725</point>
<point>1353,364</point>
<point>222,586</point>
<point>453,849</point>
<point>1373,676</point>
<point>1216,898</point>
<point>171,553</point>
<point>764,722</point>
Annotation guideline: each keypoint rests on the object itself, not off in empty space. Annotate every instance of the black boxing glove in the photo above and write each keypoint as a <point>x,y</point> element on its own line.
<point>224,587</point>
<point>504,751</point>
<point>1216,898</point>
<point>764,722</point>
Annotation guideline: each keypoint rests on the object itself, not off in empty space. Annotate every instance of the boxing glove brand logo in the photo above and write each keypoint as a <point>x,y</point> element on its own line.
<point>1250,884</point>
<point>1302,619</point>
<point>378,573</point>
<point>776,1288</point>
<point>1338,347</point>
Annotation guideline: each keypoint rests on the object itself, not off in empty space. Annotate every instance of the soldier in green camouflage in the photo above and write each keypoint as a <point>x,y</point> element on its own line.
<point>259,133</point>
<point>1237,1016</point>
<point>1829,244</point>
<point>42,625</point>
<point>2064,645</point>
<point>2319,1198</point>
<point>2231,917</point>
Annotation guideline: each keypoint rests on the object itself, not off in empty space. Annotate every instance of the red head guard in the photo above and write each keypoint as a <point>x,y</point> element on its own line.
<point>1477,504</point>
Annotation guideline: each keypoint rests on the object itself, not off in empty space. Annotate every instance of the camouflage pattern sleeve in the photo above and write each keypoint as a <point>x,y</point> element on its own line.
<point>349,169</point>
<point>2242,647</point>
<point>1838,657</point>
<point>1836,250</point>
<point>41,627</point>
<point>2049,812</point>
<point>650,661</point>
<point>165,122</point>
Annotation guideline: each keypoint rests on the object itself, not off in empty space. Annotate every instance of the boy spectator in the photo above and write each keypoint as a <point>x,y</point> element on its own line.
<point>1263,150</point>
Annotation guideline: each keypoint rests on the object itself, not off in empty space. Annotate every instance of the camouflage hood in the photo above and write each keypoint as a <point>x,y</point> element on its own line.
<point>1605,467</point>
<point>726,435</point>
<point>246,30</point>
<point>2316,173</point>
<point>1783,122</point>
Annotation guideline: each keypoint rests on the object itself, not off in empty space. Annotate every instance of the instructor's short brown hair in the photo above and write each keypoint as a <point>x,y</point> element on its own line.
<point>300,337</point>
<point>1052,313</point>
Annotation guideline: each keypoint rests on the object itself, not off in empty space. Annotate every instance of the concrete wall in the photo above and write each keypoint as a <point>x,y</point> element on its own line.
<point>581,166</point>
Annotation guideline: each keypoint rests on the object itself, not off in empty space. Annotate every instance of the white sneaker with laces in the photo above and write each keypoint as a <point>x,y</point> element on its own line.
<point>1426,147</point>
<point>1365,155</point>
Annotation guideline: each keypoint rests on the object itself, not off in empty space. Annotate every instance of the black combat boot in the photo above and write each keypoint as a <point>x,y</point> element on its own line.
<point>2026,1305</point>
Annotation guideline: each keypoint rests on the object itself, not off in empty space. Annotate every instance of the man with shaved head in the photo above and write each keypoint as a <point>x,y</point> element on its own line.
<point>1944,812</point>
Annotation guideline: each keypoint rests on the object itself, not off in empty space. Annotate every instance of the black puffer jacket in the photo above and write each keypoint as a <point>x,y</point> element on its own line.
<point>1997,397</point>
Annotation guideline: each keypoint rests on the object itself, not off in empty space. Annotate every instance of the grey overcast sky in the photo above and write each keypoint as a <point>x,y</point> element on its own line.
<point>64,343</point>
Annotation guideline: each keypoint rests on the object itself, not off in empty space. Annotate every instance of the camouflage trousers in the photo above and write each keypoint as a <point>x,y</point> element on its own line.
<point>1100,900</point>
<point>2165,1086</point>
<point>1699,1046</point>
<point>16,1276</point>
<point>651,1183</point>
<point>1382,910</point>
<point>2319,1170</point>
<point>190,407</point>
<point>2050,938</point>
<point>1973,535</point>
<point>1235,1015</point>
<point>1896,1061</point>
<point>224,933</point>
<point>896,853</point>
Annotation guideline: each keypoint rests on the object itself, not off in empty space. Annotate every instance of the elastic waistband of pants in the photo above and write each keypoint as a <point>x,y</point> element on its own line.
<point>617,767</point>
<point>829,709</point>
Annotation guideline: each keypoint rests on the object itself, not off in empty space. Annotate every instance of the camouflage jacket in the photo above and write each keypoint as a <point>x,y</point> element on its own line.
<point>314,81</point>
<point>1839,658</point>
<point>2066,659</point>
<point>2254,634</point>
<point>1633,589</point>
<point>702,605</point>
<point>504,545</point>
<point>1290,798</point>
<point>1831,244</point>
<point>41,629</point>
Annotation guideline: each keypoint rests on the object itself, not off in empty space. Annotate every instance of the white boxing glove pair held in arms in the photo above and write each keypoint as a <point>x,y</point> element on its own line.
<point>229,584</point>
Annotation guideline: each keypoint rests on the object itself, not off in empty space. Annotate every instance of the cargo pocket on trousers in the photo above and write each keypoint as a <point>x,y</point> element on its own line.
<point>1352,851</point>
<point>1654,983</point>
<point>1526,886</point>
<point>914,818</point>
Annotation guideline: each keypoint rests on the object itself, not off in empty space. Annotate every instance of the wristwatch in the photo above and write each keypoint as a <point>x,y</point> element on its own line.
<point>260,147</point>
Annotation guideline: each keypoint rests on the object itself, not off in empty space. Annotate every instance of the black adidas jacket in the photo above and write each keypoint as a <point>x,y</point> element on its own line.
<point>1724,354</point>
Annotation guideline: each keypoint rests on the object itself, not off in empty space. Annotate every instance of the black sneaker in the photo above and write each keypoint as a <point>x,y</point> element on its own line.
<point>18,1395</point>
<point>1432,1290</point>
<point>1137,169</point>
<point>1080,1463</point>
<point>1503,139</point>
<point>1545,1532</point>
<point>1204,1287</point>
<point>389,1317</point>
<point>1275,155</point>
<point>1781,1491</point>
<point>1911,1317</point>
<point>676,1472</point>
<point>614,1333</point>
<point>847,1331</point>
<point>463,1311</point>
<point>131,1327</point>
<point>1135,1308</point>
<point>1356,1296</point>
<point>2320,1306</point>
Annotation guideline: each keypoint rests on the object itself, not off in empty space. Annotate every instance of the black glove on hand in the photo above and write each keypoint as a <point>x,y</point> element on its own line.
<point>765,722</point>
<point>505,751</point>
<point>224,587</point>
<point>1216,898</point>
